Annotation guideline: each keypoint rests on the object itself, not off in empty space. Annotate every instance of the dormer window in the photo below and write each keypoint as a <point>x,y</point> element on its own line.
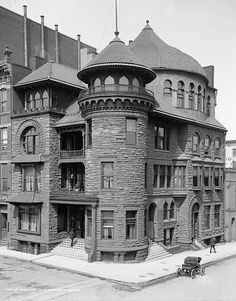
<point>167,87</point>
<point>207,144</point>
<point>30,140</point>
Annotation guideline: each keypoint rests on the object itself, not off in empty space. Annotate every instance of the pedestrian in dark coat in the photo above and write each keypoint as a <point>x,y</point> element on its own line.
<point>72,236</point>
<point>212,244</point>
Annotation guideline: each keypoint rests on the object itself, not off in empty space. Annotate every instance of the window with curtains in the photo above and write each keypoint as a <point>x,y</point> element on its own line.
<point>161,176</point>
<point>162,137</point>
<point>45,99</point>
<point>3,100</point>
<point>196,143</point>
<point>217,177</point>
<point>207,176</point>
<point>31,177</point>
<point>131,224</point>
<point>131,131</point>
<point>3,139</point>
<point>30,140</point>
<point>108,224</point>
<point>197,176</point>
<point>4,177</point>
<point>29,218</point>
<point>107,175</point>
<point>38,100</point>
<point>206,216</point>
<point>179,176</point>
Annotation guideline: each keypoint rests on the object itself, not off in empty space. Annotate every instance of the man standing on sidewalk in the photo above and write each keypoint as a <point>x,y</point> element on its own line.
<point>212,244</point>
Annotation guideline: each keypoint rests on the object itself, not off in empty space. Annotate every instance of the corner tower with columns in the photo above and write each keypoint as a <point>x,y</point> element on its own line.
<point>115,107</point>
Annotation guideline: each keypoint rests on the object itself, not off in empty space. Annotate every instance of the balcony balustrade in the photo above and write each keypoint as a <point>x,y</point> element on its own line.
<point>115,89</point>
<point>65,154</point>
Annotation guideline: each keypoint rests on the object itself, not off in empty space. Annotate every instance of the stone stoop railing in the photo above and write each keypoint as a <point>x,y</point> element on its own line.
<point>199,245</point>
<point>76,251</point>
<point>156,252</point>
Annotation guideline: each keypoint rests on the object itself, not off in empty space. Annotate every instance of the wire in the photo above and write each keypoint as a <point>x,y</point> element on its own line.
<point>105,29</point>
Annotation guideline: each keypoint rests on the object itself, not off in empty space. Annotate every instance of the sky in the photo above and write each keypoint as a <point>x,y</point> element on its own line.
<point>204,29</point>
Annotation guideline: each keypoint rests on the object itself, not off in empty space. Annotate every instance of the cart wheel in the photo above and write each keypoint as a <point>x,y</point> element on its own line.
<point>202,271</point>
<point>179,272</point>
<point>193,273</point>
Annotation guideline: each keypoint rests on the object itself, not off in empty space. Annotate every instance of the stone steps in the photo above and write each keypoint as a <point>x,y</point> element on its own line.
<point>3,242</point>
<point>157,252</point>
<point>76,251</point>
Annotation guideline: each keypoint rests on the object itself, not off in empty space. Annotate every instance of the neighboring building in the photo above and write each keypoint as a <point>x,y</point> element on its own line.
<point>138,157</point>
<point>230,190</point>
<point>26,45</point>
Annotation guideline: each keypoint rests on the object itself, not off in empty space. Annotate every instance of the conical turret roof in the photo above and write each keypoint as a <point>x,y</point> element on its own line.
<point>116,53</point>
<point>156,54</point>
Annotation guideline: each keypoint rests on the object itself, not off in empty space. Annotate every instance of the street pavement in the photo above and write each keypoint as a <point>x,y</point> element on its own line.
<point>130,274</point>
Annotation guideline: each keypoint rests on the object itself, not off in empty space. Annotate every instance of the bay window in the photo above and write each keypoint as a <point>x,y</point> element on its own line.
<point>29,218</point>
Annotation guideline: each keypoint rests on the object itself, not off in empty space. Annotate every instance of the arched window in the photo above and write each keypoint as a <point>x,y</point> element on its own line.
<point>30,140</point>
<point>167,87</point>
<point>208,108</point>
<point>172,210</point>
<point>124,81</point>
<point>191,96</point>
<point>204,101</point>
<point>38,101</point>
<point>196,143</point>
<point>217,147</point>
<point>180,95</point>
<point>136,82</point>
<point>109,80</point>
<point>97,82</point>
<point>207,145</point>
<point>29,102</point>
<point>165,211</point>
<point>199,98</point>
<point>45,99</point>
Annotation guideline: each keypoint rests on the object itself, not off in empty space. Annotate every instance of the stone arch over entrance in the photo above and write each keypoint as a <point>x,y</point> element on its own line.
<point>195,218</point>
<point>151,220</point>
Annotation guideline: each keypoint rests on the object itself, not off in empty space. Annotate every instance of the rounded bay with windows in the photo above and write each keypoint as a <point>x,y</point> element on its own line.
<point>115,107</point>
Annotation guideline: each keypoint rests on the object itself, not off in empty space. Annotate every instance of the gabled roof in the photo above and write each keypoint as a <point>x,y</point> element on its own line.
<point>54,72</point>
<point>114,54</point>
<point>156,54</point>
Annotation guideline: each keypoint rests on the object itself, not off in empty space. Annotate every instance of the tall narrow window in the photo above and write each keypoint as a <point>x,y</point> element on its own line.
<point>162,137</point>
<point>172,210</point>
<point>107,224</point>
<point>217,147</point>
<point>196,143</point>
<point>38,101</point>
<point>195,176</point>
<point>167,87</point>
<point>217,177</point>
<point>89,223</point>
<point>208,106</point>
<point>207,144</point>
<point>206,176</point>
<point>30,140</point>
<point>206,216</point>
<point>162,176</point>
<point>179,176</point>
<point>180,95</point>
<point>107,175</point>
<point>217,216</point>
<point>155,176</point>
<point>4,177</point>
<point>131,228</point>
<point>89,132</point>
<point>3,139</point>
<point>29,102</point>
<point>131,131</point>
<point>3,100</point>
<point>165,211</point>
<point>199,99</point>
<point>45,99</point>
<point>191,96</point>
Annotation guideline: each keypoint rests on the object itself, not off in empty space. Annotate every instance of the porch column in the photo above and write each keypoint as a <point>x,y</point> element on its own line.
<point>68,218</point>
<point>92,255</point>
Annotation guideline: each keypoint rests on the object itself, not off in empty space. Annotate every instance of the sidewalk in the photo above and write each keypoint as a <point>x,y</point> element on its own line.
<point>131,274</point>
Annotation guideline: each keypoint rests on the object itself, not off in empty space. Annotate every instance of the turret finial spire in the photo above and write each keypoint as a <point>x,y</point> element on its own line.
<point>116,32</point>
